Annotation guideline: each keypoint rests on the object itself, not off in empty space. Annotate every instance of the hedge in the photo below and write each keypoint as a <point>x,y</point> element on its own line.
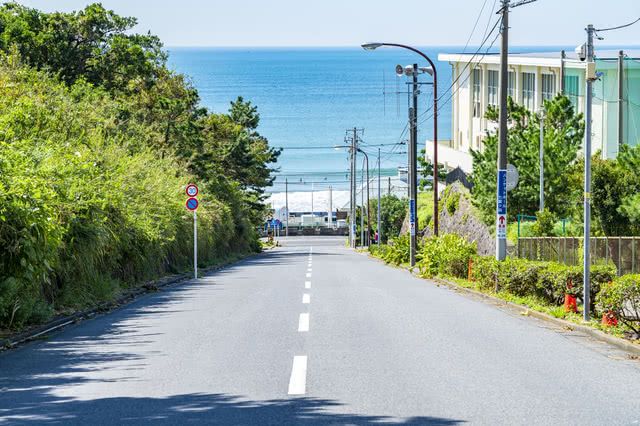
<point>452,256</point>
<point>622,298</point>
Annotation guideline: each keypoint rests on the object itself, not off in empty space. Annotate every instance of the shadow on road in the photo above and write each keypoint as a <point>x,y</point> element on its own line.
<point>195,408</point>
<point>36,380</point>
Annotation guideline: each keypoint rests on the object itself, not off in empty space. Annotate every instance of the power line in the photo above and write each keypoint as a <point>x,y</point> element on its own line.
<point>463,81</point>
<point>468,64</point>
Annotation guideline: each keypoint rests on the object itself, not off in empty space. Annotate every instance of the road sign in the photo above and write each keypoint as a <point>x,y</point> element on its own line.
<point>501,227</point>
<point>501,219</point>
<point>502,192</point>
<point>512,177</point>
<point>192,204</point>
<point>192,190</point>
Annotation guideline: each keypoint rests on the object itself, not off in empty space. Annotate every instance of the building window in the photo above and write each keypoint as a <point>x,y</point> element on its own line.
<point>511,90</point>
<point>528,90</point>
<point>492,88</point>
<point>548,86</point>
<point>477,92</point>
<point>572,89</point>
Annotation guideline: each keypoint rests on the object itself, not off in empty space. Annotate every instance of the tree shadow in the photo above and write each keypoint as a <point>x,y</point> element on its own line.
<point>35,380</point>
<point>222,409</point>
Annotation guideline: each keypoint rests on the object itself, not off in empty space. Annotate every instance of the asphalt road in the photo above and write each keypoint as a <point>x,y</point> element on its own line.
<point>313,333</point>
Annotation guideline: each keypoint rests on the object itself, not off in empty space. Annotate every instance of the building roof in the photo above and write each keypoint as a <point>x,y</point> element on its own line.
<point>547,59</point>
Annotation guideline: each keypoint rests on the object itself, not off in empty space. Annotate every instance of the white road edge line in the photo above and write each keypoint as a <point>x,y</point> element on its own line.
<point>306,298</point>
<point>307,284</point>
<point>303,322</point>
<point>298,380</point>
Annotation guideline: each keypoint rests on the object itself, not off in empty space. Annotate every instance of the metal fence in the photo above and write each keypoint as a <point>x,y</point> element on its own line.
<point>621,251</point>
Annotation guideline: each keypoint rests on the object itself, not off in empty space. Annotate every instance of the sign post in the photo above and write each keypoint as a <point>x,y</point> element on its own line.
<point>501,219</point>
<point>192,204</point>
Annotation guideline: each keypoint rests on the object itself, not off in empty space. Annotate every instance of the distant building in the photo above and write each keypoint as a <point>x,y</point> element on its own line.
<point>534,77</point>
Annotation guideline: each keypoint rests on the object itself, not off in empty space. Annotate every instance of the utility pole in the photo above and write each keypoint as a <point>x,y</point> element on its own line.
<point>541,154</point>
<point>501,211</point>
<point>352,220</point>
<point>362,207</point>
<point>620,99</point>
<point>353,151</point>
<point>379,223</point>
<point>413,168</point>
<point>286,206</point>
<point>590,77</point>
<point>330,218</point>
<point>501,193</point>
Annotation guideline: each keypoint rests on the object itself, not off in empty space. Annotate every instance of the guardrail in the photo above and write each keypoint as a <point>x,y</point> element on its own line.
<point>624,252</point>
<point>308,230</point>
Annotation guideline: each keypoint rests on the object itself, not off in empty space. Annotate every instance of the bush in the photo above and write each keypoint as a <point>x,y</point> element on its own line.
<point>543,227</point>
<point>622,297</point>
<point>519,276</point>
<point>447,256</point>
<point>397,251</point>
<point>485,271</point>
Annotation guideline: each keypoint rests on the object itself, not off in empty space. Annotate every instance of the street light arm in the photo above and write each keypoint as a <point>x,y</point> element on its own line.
<point>413,49</point>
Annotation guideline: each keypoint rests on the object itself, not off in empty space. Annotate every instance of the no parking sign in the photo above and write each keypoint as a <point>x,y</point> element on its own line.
<point>192,204</point>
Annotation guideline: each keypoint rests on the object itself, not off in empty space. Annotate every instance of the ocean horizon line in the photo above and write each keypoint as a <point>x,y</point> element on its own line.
<point>355,47</point>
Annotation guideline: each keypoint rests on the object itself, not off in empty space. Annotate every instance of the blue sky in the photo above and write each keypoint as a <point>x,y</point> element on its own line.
<point>351,22</point>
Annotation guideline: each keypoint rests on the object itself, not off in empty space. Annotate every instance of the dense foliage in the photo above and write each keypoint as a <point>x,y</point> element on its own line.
<point>616,183</point>
<point>98,141</point>
<point>392,213</point>
<point>622,298</point>
<point>563,134</point>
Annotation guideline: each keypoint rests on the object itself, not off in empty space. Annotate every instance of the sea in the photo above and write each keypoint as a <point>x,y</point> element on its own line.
<point>310,99</point>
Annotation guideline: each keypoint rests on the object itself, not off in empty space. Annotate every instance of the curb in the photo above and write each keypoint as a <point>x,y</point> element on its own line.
<point>105,307</point>
<point>618,342</point>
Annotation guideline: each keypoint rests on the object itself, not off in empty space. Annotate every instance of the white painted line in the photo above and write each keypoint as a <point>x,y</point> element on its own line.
<point>303,322</point>
<point>306,298</point>
<point>298,380</point>
<point>309,270</point>
<point>307,284</point>
<point>308,275</point>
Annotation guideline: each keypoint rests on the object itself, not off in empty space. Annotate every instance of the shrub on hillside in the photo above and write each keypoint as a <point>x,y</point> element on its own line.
<point>397,251</point>
<point>446,256</point>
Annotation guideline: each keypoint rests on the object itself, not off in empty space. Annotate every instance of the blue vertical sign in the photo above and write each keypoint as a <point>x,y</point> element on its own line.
<point>501,219</point>
<point>412,216</point>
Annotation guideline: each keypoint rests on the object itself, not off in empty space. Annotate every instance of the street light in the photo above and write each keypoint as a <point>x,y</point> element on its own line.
<point>366,157</point>
<point>413,183</point>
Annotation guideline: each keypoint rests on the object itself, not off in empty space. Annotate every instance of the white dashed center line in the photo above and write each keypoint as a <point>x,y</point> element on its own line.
<point>298,380</point>
<point>303,322</point>
<point>306,298</point>
<point>307,284</point>
<point>308,274</point>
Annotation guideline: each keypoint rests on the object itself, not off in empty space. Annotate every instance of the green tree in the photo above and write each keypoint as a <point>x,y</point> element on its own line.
<point>564,131</point>
<point>393,211</point>
<point>94,44</point>
<point>426,171</point>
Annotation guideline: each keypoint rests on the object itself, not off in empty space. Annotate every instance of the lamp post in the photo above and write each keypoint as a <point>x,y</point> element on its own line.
<point>366,159</point>
<point>413,149</point>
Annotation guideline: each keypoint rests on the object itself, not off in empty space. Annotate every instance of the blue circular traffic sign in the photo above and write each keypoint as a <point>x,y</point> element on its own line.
<point>192,204</point>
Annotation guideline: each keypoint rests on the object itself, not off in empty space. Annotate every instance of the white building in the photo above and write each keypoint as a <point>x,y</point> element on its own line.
<point>533,78</point>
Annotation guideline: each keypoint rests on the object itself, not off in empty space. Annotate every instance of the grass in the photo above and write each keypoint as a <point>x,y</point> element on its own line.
<point>425,208</point>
